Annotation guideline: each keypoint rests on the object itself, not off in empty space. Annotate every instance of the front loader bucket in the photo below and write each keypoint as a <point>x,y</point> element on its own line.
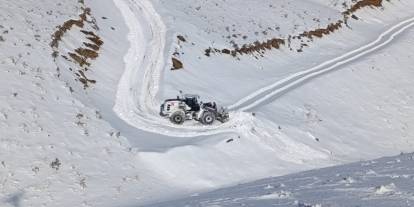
<point>223,115</point>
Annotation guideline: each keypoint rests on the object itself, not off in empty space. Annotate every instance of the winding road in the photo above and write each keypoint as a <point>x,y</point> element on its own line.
<point>136,101</point>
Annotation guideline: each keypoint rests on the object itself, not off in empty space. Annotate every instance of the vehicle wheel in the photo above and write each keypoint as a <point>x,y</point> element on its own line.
<point>177,117</point>
<point>208,118</point>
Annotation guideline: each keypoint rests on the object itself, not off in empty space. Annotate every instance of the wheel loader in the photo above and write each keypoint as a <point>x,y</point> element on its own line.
<point>188,107</point>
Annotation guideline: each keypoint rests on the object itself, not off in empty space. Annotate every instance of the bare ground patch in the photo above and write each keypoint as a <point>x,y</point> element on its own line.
<point>88,51</point>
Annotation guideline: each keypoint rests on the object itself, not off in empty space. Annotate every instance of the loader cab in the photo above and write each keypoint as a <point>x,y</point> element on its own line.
<point>192,102</point>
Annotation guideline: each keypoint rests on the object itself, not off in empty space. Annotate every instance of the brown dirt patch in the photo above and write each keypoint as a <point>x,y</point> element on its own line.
<point>361,4</point>
<point>91,46</point>
<point>84,80</point>
<point>323,31</point>
<point>87,53</point>
<point>78,59</point>
<point>82,55</point>
<point>66,26</point>
<point>177,64</point>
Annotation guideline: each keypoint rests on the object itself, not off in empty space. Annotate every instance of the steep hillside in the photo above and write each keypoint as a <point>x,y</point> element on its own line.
<point>310,32</point>
<point>60,142</point>
<point>309,84</point>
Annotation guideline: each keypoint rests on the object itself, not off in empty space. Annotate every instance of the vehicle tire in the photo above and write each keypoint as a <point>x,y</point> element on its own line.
<point>177,117</point>
<point>208,118</point>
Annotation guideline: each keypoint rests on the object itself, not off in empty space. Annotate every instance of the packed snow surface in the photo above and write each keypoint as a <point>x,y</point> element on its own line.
<point>384,182</point>
<point>86,132</point>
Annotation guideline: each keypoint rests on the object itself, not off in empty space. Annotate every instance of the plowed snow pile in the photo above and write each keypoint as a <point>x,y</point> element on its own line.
<point>310,84</point>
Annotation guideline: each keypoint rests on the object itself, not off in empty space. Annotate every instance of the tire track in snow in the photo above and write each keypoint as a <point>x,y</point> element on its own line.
<point>293,81</point>
<point>136,96</point>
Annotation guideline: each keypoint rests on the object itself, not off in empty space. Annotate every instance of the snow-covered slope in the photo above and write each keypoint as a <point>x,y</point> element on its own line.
<point>384,182</point>
<point>79,103</point>
<point>61,144</point>
<point>224,24</point>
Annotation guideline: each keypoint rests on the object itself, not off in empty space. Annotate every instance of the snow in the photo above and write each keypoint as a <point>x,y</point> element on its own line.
<point>275,65</point>
<point>294,80</point>
<point>391,185</point>
<point>347,97</point>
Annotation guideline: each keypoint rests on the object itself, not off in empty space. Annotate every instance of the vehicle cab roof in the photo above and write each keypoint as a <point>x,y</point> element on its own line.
<point>191,96</point>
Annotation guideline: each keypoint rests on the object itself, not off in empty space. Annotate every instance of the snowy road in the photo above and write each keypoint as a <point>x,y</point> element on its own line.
<point>290,83</point>
<point>137,103</point>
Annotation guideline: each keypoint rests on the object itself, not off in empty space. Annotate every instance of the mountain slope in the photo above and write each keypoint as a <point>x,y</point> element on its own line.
<point>383,182</point>
<point>83,80</point>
